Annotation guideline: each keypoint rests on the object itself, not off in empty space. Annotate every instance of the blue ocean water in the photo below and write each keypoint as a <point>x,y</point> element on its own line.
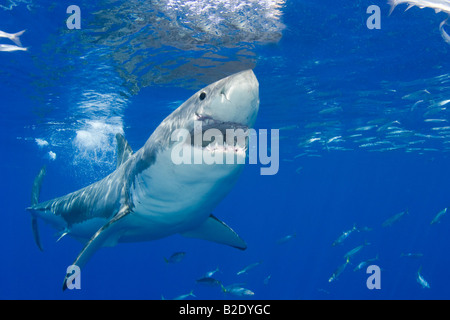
<point>364,135</point>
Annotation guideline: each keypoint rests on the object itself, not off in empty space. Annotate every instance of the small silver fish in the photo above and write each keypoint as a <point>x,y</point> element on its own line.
<point>339,271</point>
<point>176,257</point>
<point>286,238</point>
<point>208,281</point>
<point>14,37</point>
<point>344,236</point>
<point>209,274</point>
<point>247,268</point>
<point>237,290</point>
<point>184,296</point>
<point>241,292</point>
<point>355,250</point>
<point>11,48</point>
<point>362,264</point>
<point>390,221</point>
<point>439,216</point>
<point>421,280</point>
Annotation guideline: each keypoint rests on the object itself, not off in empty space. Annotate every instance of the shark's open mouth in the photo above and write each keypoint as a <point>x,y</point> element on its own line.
<point>213,135</point>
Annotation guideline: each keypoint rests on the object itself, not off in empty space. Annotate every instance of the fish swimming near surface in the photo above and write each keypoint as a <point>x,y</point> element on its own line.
<point>437,5</point>
<point>11,48</point>
<point>14,37</point>
<point>149,196</point>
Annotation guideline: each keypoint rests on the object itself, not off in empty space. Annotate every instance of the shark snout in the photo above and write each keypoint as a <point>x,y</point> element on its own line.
<point>242,85</point>
<point>239,101</point>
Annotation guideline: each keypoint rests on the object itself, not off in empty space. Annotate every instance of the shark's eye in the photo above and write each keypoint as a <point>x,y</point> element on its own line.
<point>202,96</point>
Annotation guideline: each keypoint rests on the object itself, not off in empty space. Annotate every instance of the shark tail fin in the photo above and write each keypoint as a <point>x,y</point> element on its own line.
<point>35,192</point>
<point>15,38</point>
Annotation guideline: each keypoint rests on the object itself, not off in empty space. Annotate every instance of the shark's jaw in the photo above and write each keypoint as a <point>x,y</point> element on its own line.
<point>230,103</point>
<point>212,136</point>
<point>220,116</point>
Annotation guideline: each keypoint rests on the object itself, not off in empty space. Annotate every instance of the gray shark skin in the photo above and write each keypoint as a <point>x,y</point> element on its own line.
<point>149,197</point>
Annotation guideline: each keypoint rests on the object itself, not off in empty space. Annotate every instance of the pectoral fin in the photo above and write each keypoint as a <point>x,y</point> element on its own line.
<point>104,235</point>
<point>35,228</point>
<point>217,231</point>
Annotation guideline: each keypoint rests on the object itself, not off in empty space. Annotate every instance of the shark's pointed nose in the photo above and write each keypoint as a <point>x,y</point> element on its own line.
<point>243,91</point>
<point>242,85</point>
<point>246,77</point>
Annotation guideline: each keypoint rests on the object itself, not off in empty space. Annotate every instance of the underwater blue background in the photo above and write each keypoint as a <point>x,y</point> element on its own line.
<point>355,149</point>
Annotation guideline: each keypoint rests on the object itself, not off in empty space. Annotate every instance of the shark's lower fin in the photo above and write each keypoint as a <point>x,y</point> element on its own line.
<point>98,240</point>
<point>35,192</point>
<point>217,231</point>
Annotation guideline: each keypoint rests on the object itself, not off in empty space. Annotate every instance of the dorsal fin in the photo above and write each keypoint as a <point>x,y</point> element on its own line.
<point>124,150</point>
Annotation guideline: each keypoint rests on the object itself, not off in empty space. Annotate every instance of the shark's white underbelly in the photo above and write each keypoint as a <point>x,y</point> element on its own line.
<point>170,198</point>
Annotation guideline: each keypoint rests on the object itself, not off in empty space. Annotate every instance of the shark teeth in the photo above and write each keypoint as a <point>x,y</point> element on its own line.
<point>225,148</point>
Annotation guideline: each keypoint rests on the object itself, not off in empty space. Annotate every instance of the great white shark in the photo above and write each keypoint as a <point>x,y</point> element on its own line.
<point>148,196</point>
